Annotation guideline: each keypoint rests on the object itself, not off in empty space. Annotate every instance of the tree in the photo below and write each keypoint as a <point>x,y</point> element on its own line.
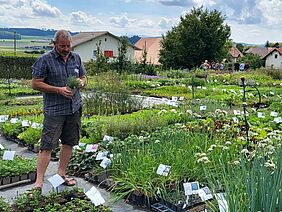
<point>122,60</point>
<point>253,60</point>
<point>201,35</point>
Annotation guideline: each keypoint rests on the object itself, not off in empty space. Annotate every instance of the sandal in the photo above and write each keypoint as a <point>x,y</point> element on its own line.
<point>68,181</point>
<point>34,192</point>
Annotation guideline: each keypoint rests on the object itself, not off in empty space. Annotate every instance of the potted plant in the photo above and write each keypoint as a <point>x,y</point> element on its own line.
<point>73,84</point>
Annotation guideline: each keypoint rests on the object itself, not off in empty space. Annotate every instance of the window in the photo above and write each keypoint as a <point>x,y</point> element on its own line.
<point>105,39</point>
<point>275,56</point>
<point>94,54</point>
<point>108,53</point>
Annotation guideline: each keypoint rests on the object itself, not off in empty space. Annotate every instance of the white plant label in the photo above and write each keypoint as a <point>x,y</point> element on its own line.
<point>237,112</point>
<point>105,163</point>
<point>273,113</point>
<point>3,118</point>
<point>163,170</point>
<point>277,120</point>
<point>91,148</point>
<point>81,144</point>
<point>213,89</point>
<point>205,194</point>
<point>102,155</point>
<point>9,155</point>
<point>108,138</point>
<point>204,88</point>
<point>261,115</point>
<point>199,87</point>
<point>222,203</point>
<point>235,120</point>
<point>181,98</point>
<point>203,107</point>
<point>25,123</point>
<point>14,120</point>
<point>223,90</point>
<point>191,188</point>
<point>56,180</point>
<point>2,147</point>
<point>271,93</point>
<point>36,125</point>
<point>94,195</point>
<point>174,98</point>
<point>76,147</point>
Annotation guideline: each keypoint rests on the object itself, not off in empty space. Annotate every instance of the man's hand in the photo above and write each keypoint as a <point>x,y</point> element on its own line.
<point>65,92</point>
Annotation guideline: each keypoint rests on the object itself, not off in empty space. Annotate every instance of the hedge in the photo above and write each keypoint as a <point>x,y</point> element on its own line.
<point>19,67</point>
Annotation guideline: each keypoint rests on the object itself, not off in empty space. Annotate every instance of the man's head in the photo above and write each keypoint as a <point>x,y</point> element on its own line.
<point>62,42</point>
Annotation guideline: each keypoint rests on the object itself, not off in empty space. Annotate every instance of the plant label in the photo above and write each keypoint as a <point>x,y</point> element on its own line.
<point>235,120</point>
<point>108,138</point>
<point>102,155</point>
<point>163,170</point>
<point>222,203</point>
<point>81,144</point>
<point>105,163</point>
<point>273,113</point>
<point>25,123</point>
<point>94,195</point>
<point>203,107</point>
<point>277,120</point>
<point>56,180</point>
<point>36,125</point>
<point>2,147</point>
<point>213,89</point>
<point>199,87</point>
<point>9,155</point>
<point>223,90</point>
<point>181,98</point>
<point>205,193</point>
<point>261,115</point>
<point>76,147</point>
<point>174,98</point>
<point>3,118</point>
<point>271,93</point>
<point>91,148</point>
<point>237,112</point>
<point>191,188</point>
<point>14,120</point>
<point>204,88</point>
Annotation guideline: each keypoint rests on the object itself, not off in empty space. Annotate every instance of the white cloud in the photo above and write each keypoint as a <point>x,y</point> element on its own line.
<point>271,11</point>
<point>166,23</point>
<point>43,9</point>
<point>122,21</point>
<point>82,18</point>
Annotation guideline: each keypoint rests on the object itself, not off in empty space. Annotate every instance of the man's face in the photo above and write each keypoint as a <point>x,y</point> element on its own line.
<point>63,46</point>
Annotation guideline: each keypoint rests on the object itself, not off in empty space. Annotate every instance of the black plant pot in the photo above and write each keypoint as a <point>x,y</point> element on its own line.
<point>15,179</point>
<point>32,176</point>
<point>6,180</point>
<point>24,177</point>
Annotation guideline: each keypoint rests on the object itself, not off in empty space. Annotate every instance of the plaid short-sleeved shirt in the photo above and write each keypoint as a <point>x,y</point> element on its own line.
<point>55,71</point>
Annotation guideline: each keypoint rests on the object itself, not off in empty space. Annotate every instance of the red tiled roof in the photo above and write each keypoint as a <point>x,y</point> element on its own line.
<point>152,45</point>
<point>271,50</point>
<point>235,53</point>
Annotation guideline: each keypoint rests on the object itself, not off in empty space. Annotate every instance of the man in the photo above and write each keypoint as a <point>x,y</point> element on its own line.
<point>62,108</point>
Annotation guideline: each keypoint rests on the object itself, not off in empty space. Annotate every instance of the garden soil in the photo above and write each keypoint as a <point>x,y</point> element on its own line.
<point>11,193</point>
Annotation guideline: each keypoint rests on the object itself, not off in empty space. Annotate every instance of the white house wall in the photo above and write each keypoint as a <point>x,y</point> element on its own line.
<point>271,61</point>
<point>108,43</point>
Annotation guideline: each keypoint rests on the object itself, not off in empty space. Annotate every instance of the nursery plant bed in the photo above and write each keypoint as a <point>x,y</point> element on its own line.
<point>7,182</point>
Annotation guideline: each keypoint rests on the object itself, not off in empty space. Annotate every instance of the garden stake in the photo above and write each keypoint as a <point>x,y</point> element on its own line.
<point>245,110</point>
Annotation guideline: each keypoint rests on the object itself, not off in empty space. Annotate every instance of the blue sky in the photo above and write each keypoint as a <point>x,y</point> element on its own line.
<point>251,21</point>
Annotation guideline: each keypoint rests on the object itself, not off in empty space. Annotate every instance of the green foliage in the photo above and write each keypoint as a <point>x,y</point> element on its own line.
<point>254,61</point>
<point>73,82</point>
<point>16,67</point>
<point>4,206</point>
<point>121,63</point>
<point>11,130</point>
<point>30,135</point>
<point>201,35</point>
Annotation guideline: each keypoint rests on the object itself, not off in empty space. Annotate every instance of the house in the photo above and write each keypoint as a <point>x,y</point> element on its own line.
<point>235,54</point>
<point>86,43</point>
<point>272,56</point>
<point>273,59</point>
<point>152,46</point>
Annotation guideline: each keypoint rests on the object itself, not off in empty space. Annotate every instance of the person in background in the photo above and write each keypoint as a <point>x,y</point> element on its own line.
<point>62,107</point>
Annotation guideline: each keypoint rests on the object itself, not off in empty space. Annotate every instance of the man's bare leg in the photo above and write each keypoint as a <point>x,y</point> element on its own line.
<point>65,154</point>
<point>44,157</point>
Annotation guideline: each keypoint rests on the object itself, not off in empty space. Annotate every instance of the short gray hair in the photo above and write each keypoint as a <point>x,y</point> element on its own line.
<point>62,34</point>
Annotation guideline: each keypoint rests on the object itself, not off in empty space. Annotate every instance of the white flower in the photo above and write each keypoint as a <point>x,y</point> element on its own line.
<point>227,143</point>
<point>203,160</point>
<point>198,154</point>
<point>173,110</point>
<point>157,141</point>
<point>236,162</point>
<point>203,154</point>
<point>225,148</point>
<point>190,112</point>
<point>245,151</point>
<point>213,146</point>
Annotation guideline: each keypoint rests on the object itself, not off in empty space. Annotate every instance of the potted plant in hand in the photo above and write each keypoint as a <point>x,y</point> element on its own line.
<point>73,84</point>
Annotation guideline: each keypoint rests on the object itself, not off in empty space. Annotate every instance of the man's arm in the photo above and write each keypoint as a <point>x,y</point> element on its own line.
<point>82,81</point>
<point>40,85</point>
